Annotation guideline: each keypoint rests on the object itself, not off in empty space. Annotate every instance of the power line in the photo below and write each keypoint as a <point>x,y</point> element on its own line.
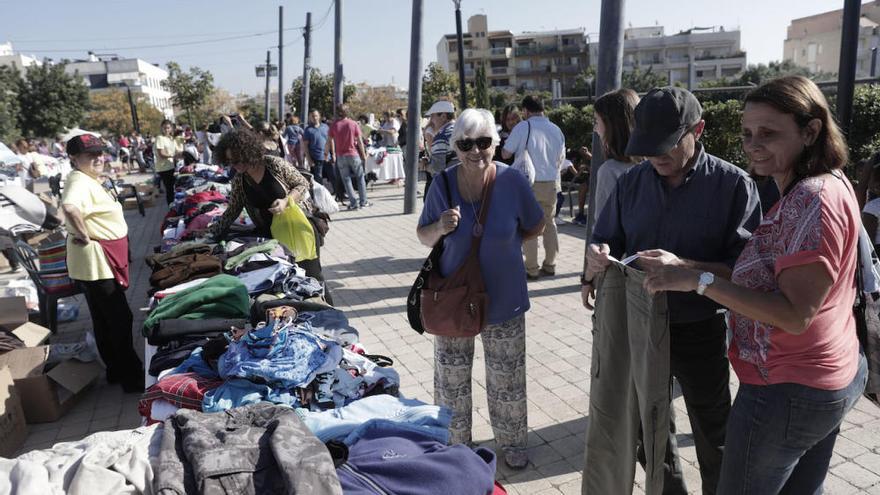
<point>144,47</point>
<point>114,38</point>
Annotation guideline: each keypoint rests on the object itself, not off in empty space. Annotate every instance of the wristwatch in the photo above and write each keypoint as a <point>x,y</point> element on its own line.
<point>584,280</point>
<point>706,279</point>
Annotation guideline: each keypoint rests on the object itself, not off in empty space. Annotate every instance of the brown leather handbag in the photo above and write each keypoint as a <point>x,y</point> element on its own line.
<point>456,306</point>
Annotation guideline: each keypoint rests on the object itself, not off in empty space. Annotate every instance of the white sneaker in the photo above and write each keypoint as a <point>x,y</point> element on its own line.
<point>558,221</point>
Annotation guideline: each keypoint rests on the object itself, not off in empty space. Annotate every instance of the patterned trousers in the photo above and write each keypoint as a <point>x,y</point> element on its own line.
<point>505,352</point>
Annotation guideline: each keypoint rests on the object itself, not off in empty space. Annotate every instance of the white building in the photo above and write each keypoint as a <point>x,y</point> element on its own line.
<point>710,53</point>
<point>9,58</point>
<point>104,73</point>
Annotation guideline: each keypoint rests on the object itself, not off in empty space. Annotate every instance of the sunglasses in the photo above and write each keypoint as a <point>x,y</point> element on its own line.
<point>483,143</point>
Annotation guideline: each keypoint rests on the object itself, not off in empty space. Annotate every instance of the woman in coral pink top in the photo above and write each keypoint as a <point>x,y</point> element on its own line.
<point>790,297</point>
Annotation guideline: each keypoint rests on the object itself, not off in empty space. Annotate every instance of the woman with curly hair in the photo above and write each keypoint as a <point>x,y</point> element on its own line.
<point>263,185</point>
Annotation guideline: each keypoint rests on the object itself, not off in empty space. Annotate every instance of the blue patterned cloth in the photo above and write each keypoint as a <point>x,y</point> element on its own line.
<point>284,360</point>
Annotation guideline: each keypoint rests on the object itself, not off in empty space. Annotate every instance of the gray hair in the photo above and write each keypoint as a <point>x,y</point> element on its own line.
<point>474,123</point>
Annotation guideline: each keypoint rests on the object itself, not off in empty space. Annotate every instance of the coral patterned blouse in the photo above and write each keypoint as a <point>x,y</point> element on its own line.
<point>816,222</point>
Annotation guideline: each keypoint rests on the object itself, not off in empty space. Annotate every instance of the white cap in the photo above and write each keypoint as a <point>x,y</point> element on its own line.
<point>441,106</point>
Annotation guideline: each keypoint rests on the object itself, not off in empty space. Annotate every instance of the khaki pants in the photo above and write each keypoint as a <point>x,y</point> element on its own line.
<point>545,193</point>
<point>629,386</point>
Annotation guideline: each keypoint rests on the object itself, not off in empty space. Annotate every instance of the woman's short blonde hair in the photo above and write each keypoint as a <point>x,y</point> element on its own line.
<point>474,123</point>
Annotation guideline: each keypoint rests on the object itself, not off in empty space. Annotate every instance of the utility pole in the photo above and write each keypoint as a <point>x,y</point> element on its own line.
<point>280,62</point>
<point>874,62</point>
<point>307,68</point>
<point>414,110</point>
<point>462,87</point>
<point>134,113</point>
<point>608,77</point>
<point>268,73</point>
<point>849,47</point>
<point>338,76</point>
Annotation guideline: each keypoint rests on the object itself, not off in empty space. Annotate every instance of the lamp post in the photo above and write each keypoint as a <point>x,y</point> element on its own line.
<point>267,70</point>
<point>462,88</point>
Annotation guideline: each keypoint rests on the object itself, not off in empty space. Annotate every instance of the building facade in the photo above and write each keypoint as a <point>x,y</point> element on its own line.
<point>688,57</point>
<point>8,58</point>
<point>814,42</point>
<point>107,73</point>
<point>536,60</point>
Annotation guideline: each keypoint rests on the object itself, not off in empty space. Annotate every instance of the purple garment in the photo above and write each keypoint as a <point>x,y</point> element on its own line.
<point>403,460</point>
<point>513,210</point>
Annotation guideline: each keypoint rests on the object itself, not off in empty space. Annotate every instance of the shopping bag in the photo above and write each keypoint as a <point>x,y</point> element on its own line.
<point>523,162</point>
<point>324,200</point>
<point>293,229</point>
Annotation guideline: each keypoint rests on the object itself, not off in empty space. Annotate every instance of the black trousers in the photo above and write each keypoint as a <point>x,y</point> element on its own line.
<point>698,361</point>
<point>112,322</point>
<point>168,183</point>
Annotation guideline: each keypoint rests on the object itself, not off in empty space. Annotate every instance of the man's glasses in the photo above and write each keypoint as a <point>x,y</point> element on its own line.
<point>483,143</point>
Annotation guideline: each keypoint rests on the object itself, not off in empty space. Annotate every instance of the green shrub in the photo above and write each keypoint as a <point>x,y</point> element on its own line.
<point>723,128</point>
<point>576,124</point>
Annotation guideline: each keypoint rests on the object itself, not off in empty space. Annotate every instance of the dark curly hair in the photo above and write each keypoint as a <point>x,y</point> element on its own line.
<point>240,146</point>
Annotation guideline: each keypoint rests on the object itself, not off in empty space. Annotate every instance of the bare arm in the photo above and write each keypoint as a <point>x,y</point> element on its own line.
<point>306,152</point>
<point>75,223</point>
<point>431,233</point>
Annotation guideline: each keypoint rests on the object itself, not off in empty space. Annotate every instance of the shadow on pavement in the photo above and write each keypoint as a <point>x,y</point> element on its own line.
<point>383,265</point>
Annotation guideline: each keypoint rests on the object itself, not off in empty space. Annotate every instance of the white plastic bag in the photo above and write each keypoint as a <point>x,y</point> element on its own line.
<point>324,200</point>
<point>523,162</point>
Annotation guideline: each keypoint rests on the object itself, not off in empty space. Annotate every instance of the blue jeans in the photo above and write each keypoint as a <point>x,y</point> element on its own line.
<point>351,167</point>
<point>780,437</point>
<point>318,170</point>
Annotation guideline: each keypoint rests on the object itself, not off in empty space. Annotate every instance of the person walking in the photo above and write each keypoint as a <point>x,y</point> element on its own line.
<point>97,258</point>
<point>546,146</point>
<point>314,141</point>
<point>438,135</point>
<point>513,215</point>
<point>167,149</point>
<point>791,296</point>
<point>347,148</point>
<point>682,200</point>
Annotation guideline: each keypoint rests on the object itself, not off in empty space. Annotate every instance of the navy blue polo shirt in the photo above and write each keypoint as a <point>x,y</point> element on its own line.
<point>708,218</point>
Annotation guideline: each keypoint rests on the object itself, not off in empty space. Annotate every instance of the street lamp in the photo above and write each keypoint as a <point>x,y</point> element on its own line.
<point>268,70</point>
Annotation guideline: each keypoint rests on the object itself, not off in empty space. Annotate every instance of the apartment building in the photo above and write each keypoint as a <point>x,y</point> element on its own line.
<point>699,53</point>
<point>102,73</point>
<point>813,42</point>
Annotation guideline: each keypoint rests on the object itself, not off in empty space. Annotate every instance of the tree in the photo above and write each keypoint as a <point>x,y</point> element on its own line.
<point>190,90</point>
<point>220,102</point>
<point>438,84</point>
<point>320,93</point>
<point>10,80</point>
<point>50,100</point>
<point>585,83</point>
<point>481,90</point>
<point>642,82</point>
<point>254,110</point>
<point>721,136</point>
<point>864,132</point>
<point>375,100</point>
<point>110,111</point>
<point>575,123</point>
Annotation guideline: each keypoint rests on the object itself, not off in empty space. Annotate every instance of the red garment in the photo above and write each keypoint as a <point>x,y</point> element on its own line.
<point>184,390</point>
<point>116,252</point>
<point>204,197</point>
<point>499,490</point>
<point>816,222</point>
<point>345,133</point>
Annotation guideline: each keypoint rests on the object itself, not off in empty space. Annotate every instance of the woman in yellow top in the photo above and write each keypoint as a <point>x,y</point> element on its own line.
<point>167,149</point>
<point>97,257</point>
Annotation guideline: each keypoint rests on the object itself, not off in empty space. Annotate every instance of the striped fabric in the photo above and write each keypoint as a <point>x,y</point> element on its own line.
<point>53,266</point>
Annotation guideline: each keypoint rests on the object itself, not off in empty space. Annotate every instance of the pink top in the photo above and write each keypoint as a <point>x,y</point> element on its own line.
<point>816,222</point>
<point>345,134</point>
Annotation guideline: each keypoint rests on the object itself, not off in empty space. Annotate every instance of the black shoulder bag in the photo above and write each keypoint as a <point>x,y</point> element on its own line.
<point>414,300</point>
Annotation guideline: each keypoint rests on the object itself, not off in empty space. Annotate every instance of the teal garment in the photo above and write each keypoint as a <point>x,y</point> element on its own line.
<point>221,296</point>
<point>239,259</point>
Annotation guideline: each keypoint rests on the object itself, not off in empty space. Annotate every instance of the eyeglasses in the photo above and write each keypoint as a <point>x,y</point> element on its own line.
<point>483,143</point>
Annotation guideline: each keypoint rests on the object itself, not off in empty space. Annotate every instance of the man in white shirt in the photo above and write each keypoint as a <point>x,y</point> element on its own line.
<point>546,147</point>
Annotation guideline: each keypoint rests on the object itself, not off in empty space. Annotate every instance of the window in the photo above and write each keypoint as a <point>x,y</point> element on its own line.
<point>700,73</point>
<point>574,61</point>
<point>499,63</point>
<point>524,64</point>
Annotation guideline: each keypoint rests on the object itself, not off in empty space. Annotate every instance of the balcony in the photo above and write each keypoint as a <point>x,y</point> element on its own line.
<point>568,69</point>
<point>536,49</point>
<point>501,71</point>
<point>502,52</point>
<point>468,72</point>
<point>574,48</point>
<point>533,70</point>
<point>739,54</point>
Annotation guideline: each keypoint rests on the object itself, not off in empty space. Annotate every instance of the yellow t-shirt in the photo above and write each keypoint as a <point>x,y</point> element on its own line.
<point>170,146</point>
<point>104,220</point>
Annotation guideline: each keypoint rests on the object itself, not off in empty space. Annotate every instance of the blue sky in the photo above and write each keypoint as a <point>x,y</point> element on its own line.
<point>376,32</point>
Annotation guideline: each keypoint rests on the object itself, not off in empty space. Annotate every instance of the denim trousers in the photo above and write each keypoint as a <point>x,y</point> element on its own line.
<point>780,437</point>
<point>351,167</point>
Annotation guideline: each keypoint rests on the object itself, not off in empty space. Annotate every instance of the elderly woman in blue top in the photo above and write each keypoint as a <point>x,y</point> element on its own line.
<point>513,216</point>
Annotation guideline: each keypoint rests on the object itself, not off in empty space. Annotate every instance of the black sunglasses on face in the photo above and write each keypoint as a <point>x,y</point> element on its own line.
<point>482,143</point>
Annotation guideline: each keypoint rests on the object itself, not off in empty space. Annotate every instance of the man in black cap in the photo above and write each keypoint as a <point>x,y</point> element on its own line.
<point>681,200</point>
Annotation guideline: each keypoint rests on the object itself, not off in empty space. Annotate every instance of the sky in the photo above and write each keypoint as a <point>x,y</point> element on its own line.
<point>376,33</point>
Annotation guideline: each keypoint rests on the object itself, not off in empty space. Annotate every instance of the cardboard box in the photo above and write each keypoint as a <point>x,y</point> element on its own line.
<point>14,318</point>
<point>13,429</point>
<point>129,204</point>
<point>48,395</point>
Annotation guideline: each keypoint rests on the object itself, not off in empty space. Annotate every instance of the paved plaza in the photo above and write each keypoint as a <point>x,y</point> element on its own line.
<point>370,260</point>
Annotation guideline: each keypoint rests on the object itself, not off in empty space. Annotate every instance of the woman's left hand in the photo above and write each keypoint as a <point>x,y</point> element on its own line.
<point>278,206</point>
<point>671,278</point>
